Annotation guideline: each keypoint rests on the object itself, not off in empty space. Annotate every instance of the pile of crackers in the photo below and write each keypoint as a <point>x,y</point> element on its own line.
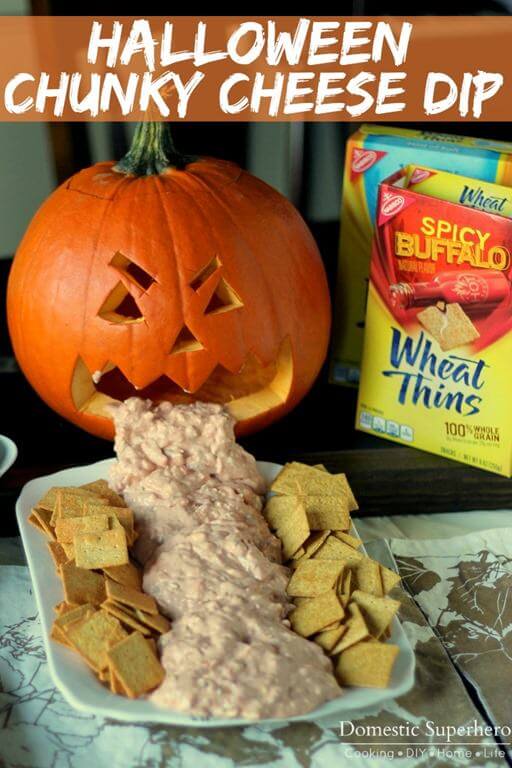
<point>340,595</point>
<point>105,616</point>
<point>448,324</point>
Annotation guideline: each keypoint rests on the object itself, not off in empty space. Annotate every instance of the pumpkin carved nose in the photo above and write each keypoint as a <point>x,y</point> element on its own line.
<point>185,342</point>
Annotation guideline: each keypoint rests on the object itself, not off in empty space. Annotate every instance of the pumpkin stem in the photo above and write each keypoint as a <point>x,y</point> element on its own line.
<point>152,152</point>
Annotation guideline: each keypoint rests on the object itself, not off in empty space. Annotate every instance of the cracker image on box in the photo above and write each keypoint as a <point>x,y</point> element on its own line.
<point>450,327</point>
<point>438,331</point>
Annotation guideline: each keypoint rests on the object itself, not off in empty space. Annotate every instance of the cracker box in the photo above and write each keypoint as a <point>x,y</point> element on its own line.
<point>438,340</point>
<point>493,198</point>
<point>373,153</point>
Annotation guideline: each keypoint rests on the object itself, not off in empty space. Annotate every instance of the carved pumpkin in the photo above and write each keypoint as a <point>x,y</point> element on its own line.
<point>172,278</point>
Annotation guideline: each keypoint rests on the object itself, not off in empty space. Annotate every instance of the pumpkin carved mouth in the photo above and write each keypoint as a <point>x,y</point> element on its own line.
<point>254,390</point>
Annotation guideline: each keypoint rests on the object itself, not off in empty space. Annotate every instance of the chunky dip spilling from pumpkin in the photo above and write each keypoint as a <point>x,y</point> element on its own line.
<point>213,567</point>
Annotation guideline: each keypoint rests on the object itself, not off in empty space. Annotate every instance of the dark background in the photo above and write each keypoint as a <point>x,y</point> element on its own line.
<point>324,420</point>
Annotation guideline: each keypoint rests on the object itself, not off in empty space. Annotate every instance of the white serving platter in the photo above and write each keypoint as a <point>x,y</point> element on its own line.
<point>8,454</point>
<point>80,687</point>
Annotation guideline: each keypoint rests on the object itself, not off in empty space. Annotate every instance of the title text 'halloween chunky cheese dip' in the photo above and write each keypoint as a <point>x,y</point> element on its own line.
<point>213,566</point>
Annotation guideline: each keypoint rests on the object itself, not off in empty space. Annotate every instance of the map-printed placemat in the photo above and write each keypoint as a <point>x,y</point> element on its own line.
<point>38,729</point>
<point>463,585</point>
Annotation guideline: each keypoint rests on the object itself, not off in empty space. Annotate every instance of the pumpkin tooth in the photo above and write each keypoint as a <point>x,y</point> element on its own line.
<point>86,398</point>
<point>267,387</point>
<point>271,396</point>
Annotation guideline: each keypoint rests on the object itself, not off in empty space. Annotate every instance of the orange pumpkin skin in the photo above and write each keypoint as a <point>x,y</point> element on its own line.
<point>172,226</point>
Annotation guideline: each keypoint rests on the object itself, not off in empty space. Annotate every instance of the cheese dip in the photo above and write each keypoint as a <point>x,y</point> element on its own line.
<point>213,566</point>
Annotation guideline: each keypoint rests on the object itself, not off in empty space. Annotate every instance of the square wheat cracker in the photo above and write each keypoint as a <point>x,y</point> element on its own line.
<point>69,503</point>
<point>58,554</point>
<point>74,614</point>
<point>90,637</point>
<point>58,635</point>
<point>327,512</point>
<point>389,578</point>
<point>123,515</point>
<point>66,618</point>
<point>63,607</point>
<point>102,488</point>
<point>32,519</point>
<point>131,535</point>
<point>356,630</point>
<point>277,510</point>
<point>293,530</point>
<point>49,500</point>
<point>102,550</point>
<point>313,577</point>
<point>347,538</point>
<point>44,517</point>
<point>328,638</point>
<point>314,542</point>
<point>125,615</point>
<point>158,623</point>
<point>286,482</point>
<point>67,528</point>
<point>367,664</point>
<point>368,579</point>
<point>334,549</point>
<point>127,574</point>
<point>136,666</point>
<point>81,585</point>
<point>69,549</point>
<point>377,611</point>
<point>307,480</point>
<point>131,597</point>
<point>319,613</point>
<point>115,684</point>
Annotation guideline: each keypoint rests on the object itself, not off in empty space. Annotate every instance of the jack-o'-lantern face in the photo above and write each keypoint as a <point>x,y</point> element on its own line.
<point>201,283</point>
<point>252,383</point>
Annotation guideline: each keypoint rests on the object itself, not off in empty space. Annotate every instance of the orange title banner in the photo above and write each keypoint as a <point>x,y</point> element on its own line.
<point>255,68</point>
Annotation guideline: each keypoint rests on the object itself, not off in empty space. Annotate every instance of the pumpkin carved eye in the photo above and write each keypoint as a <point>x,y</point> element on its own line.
<point>132,271</point>
<point>223,298</point>
<point>120,306</point>
<point>204,273</point>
